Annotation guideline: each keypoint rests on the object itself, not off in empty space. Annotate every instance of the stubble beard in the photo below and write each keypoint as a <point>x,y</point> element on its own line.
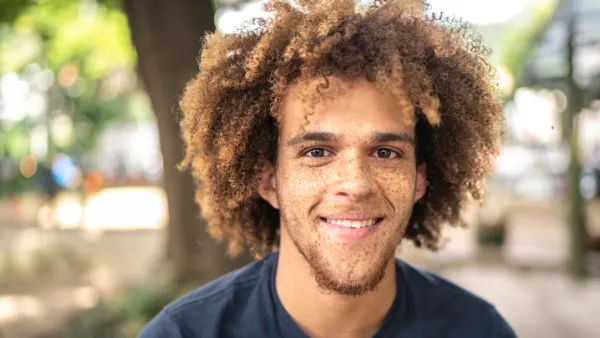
<point>324,272</point>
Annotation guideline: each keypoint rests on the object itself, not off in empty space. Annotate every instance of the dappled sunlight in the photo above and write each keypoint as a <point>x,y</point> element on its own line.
<point>126,208</point>
<point>103,278</point>
<point>86,297</point>
<point>119,208</point>
<point>69,213</point>
<point>14,306</point>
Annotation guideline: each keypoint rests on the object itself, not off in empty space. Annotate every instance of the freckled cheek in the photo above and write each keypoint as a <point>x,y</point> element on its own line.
<point>302,183</point>
<point>395,184</point>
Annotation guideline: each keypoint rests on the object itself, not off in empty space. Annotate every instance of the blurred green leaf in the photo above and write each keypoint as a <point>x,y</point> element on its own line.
<point>62,32</point>
<point>519,39</point>
<point>87,47</point>
<point>12,8</point>
<point>122,318</point>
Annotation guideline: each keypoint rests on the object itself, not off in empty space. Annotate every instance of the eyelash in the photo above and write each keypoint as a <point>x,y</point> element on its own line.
<point>307,151</point>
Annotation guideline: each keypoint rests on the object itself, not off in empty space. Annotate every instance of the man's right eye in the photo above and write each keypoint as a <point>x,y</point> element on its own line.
<point>316,152</point>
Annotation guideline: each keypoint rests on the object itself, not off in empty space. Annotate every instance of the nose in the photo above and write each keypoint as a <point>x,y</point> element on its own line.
<point>355,181</point>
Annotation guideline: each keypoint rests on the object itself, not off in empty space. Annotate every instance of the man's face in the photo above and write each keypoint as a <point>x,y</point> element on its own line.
<point>346,181</point>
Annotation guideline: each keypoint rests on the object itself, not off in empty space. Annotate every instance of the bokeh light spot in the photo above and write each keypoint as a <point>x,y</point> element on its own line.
<point>28,166</point>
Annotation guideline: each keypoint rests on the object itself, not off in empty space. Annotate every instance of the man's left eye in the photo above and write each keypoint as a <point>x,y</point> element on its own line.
<point>385,153</point>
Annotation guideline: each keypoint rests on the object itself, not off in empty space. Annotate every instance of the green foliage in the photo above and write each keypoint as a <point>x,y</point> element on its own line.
<point>18,184</point>
<point>14,139</point>
<point>123,318</point>
<point>519,39</point>
<point>98,322</point>
<point>92,40</point>
<point>87,48</point>
<point>61,32</point>
<point>99,43</point>
<point>145,302</point>
<point>492,235</point>
<point>12,8</point>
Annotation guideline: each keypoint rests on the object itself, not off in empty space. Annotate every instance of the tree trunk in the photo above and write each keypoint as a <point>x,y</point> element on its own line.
<point>167,37</point>
<point>577,214</point>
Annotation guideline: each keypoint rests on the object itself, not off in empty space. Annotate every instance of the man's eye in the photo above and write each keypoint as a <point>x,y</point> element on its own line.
<point>385,153</point>
<point>316,152</point>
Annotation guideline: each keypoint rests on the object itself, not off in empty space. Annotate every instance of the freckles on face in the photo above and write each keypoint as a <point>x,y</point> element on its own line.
<point>353,145</point>
<point>346,177</point>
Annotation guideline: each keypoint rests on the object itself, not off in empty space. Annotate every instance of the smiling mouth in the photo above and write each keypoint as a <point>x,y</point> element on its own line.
<point>345,223</point>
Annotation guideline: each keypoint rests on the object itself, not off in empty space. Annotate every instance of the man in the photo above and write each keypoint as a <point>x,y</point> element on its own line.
<point>321,139</point>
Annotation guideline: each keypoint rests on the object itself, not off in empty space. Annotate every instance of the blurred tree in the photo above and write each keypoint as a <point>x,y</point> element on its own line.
<point>90,39</point>
<point>519,38</point>
<point>85,43</point>
<point>83,51</point>
<point>167,37</point>
<point>513,49</point>
<point>520,42</point>
<point>14,144</point>
<point>576,217</point>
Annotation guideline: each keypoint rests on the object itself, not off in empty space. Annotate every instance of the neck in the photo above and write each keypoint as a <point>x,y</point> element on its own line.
<point>337,315</point>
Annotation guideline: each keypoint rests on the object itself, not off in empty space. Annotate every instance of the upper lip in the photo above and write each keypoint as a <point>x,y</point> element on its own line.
<point>353,216</point>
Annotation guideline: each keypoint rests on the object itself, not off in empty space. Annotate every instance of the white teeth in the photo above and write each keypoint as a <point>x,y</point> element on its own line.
<point>352,224</point>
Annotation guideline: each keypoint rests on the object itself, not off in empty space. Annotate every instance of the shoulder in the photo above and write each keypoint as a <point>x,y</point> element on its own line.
<point>219,291</point>
<point>201,312</point>
<point>161,326</point>
<point>458,311</point>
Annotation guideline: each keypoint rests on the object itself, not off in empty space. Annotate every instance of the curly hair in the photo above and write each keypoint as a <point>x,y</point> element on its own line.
<point>231,109</point>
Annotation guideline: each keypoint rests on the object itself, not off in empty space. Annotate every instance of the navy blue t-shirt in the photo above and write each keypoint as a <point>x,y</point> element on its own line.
<point>244,303</point>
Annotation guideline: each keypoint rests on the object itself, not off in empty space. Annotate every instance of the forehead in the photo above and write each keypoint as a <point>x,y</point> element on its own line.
<point>343,106</point>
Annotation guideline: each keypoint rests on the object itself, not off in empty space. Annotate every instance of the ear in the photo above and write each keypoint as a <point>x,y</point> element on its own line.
<point>421,185</point>
<point>267,186</point>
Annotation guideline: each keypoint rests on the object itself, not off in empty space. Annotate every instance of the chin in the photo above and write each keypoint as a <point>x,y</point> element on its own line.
<point>349,278</point>
<point>356,285</point>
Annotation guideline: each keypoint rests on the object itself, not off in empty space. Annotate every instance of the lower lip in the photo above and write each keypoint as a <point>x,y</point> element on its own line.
<point>349,233</point>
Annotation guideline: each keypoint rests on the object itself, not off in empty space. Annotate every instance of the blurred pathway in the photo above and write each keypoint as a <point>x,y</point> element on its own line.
<point>536,303</point>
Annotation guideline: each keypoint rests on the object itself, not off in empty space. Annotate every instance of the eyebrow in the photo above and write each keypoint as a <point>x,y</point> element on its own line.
<point>312,136</point>
<point>328,137</point>
<point>393,137</point>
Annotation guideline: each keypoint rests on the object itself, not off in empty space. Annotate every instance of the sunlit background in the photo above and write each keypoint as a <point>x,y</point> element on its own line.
<point>83,212</point>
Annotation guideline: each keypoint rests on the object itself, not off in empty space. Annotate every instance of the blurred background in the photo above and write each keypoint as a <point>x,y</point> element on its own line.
<point>98,229</point>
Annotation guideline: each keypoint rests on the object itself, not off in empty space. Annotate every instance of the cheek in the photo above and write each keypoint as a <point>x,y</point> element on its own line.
<point>397,186</point>
<point>300,185</point>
